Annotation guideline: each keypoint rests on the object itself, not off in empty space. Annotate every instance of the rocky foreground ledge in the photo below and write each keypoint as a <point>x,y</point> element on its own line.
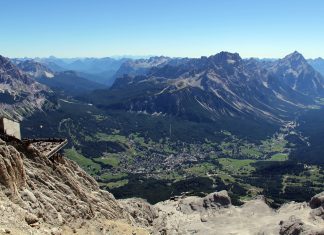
<point>214,214</point>
<point>38,196</point>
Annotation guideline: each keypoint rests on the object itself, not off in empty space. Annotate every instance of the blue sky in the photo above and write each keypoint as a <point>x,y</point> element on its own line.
<point>192,28</point>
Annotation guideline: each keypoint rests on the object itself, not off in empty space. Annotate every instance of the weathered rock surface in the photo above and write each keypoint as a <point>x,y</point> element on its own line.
<point>38,195</point>
<point>317,201</point>
<point>217,200</point>
<point>295,226</point>
<point>12,172</point>
<point>214,215</point>
<point>212,201</point>
<point>142,212</point>
<point>291,227</point>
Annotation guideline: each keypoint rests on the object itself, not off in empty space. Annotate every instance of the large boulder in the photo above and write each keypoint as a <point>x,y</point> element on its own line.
<point>291,227</point>
<point>317,204</point>
<point>212,201</point>
<point>317,201</point>
<point>217,200</point>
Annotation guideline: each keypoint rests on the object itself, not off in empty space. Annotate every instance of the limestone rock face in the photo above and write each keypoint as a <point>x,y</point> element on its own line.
<point>24,95</point>
<point>215,215</point>
<point>141,211</point>
<point>295,226</point>
<point>12,172</point>
<point>36,193</point>
<point>291,227</point>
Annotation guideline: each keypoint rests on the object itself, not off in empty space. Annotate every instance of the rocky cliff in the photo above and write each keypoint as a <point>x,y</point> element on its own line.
<point>39,196</point>
<point>35,69</point>
<point>20,95</point>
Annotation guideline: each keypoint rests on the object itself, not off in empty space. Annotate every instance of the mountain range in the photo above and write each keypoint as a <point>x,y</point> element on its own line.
<point>106,70</point>
<point>67,81</point>
<point>20,94</point>
<point>211,88</point>
<point>219,88</point>
<point>99,70</point>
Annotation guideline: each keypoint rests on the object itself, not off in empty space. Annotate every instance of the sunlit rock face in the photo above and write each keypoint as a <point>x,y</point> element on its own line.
<point>35,69</point>
<point>214,214</point>
<point>20,95</point>
<point>38,195</point>
<point>215,87</point>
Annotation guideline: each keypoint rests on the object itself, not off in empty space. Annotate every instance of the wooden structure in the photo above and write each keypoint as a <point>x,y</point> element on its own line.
<point>10,133</point>
<point>47,147</point>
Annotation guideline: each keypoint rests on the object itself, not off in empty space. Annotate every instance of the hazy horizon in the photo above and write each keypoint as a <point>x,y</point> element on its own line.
<point>149,56</point>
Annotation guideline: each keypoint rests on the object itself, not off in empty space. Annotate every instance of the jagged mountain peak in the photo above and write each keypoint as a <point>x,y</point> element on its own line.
<point>294,61</point>
<point>152,61</point>
<point>35,69</point>
<point>295,71</point>
<point>9,68</point>
<point>20,94</point>
<point>153,58</point>
<point>295,57</point>
<point>30,62</point>
<point>295,53</point>
<point>225,56</point>
<point>11,74</point>
<point>2,59</point>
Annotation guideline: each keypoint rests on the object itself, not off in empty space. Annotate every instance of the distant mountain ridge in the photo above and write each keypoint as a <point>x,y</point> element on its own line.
<point>70,82</point>
<point>206,88</point>
<point>105,70</point>
<point>35,69</point>
<point>216,87</point>
<point>20,95</point>
<point>299,75</point>
<point>317,64</point>
<point>141,66</point>
<point>99,70</point>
